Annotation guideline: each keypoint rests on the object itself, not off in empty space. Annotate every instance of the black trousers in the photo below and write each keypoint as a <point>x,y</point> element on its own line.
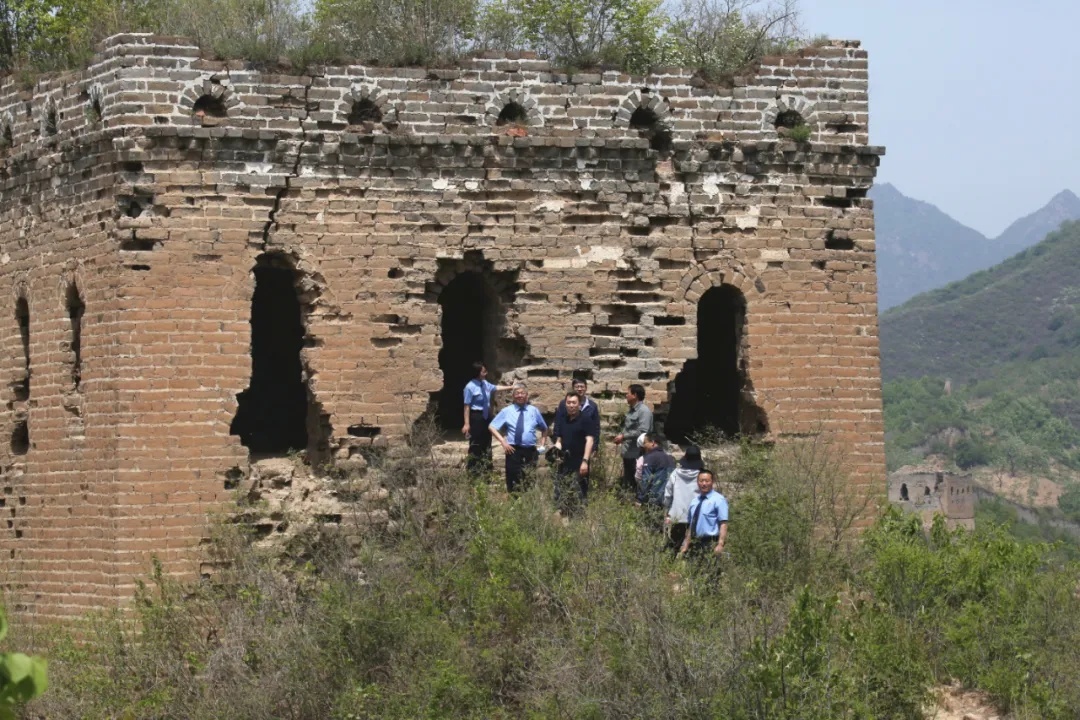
<point>479,457</point>
<point>571,489</point>
<point>524,456</point>
<point>629,467</point>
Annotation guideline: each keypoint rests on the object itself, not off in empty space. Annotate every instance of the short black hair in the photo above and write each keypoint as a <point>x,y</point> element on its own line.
<point>638,391</point>
<point>477,367</point>
<point>652,437</point>
<point>707,471</point>
<point>579,379</point>
<point>573,394</point>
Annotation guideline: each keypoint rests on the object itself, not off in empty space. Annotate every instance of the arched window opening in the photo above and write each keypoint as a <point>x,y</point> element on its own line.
<point>904,492</point>
<point>513,114</point>
<point>789,119</point>
<point>272,413</point>
<point>708,394</point>
<point>208,106</point>
<point>648,123</point>
<point>22,316</point>
<point>75,308</point>
<point>364,111</point>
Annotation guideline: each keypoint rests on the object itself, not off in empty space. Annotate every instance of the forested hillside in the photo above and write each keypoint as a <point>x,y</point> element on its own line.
<point>1024,309</point>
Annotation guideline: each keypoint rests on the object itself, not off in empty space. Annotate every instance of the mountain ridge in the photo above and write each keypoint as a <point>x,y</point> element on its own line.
<point>921,248</point>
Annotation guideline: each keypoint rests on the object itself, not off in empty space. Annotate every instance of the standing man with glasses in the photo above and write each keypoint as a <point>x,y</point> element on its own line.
<point>639,419</point>
<point>707,519</point>
<point>479,394</point>
<point>519,422</point>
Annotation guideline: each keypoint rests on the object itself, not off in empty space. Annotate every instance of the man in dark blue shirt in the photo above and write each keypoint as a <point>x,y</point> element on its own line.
<point>576,437</point>
<point>589,411</point>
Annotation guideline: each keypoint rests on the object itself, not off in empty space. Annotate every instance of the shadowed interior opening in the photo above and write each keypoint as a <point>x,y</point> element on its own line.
<point>273,411</point>
<point>21,385</point>
<point>707,392</point>
<point>513,114</point>
<point>76,308</point>
<point>472,321</point>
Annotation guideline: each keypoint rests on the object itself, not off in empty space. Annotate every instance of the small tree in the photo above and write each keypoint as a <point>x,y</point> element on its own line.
<point>720,37</point>
<point>398,32</point>
<point>628,34</point>
<point>22,678</point>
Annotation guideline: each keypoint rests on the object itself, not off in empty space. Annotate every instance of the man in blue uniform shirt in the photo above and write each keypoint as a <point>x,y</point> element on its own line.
<point>707,518</point>
<point>520,422</point>
<point>478,399</point>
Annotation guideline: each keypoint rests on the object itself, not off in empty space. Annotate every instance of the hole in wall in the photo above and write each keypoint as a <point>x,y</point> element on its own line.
<point>838,241</point>
<point>21,385</point>
<point>76,308</point>
<point>20,438</point>
<point>789,119</point>
<point>208,106</point>
<point>473,324</point>
<point>272,413</point>
<point>706,395</point>
<point>364,111</point>
<point>52,122</point>
<point>135,244</point>
<point>513,114</point>
<point>650,126</point>
<point>366,431</point>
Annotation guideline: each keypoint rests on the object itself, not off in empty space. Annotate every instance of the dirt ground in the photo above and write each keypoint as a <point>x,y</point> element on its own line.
<point>954,703</point>
<point>1023,489</point>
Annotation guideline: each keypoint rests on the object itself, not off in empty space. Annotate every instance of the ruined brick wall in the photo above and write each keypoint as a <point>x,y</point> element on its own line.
<point>583,220</point>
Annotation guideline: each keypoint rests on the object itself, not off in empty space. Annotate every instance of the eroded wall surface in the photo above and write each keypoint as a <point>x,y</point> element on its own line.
<point>591,213</point>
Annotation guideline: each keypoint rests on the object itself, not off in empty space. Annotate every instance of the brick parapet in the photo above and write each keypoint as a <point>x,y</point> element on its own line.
<point>160,215</point>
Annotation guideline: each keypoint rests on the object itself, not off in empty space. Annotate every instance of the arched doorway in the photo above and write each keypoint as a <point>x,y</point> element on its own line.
<point>708,393</point>
<point>473,321</point>
<point>272,415</point>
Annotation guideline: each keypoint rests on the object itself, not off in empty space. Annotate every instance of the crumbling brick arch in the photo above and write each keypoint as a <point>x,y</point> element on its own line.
<point>513,106</point>
<point>649,114</point>
<point>715,390</point>
<point>477,314</point>
<point>210,97</point>
<point>789,106</point>
<point>366,103</point>
<point>279,412</point>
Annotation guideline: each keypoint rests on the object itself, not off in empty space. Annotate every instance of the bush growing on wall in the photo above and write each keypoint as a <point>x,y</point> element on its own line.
<point>717,36</point>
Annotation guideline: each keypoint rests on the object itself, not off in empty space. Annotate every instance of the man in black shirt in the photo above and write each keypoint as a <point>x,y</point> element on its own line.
<point>575,438</point>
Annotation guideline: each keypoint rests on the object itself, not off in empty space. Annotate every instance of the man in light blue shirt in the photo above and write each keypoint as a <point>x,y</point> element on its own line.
<point>707,518</point>
<point>478,399</point>
<point>519,422</point>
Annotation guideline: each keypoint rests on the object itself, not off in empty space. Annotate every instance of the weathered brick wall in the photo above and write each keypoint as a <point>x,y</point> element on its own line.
<point>598,246</point>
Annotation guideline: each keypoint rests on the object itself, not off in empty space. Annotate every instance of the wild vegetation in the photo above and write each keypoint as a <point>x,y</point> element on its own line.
<point>474,605</point>
<point>716,36</point>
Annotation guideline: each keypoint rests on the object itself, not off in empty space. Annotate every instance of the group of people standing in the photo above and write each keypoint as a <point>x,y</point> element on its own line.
<point>696,513</point>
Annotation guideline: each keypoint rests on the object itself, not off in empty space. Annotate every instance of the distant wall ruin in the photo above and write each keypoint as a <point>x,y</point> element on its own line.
<point>159,207</point>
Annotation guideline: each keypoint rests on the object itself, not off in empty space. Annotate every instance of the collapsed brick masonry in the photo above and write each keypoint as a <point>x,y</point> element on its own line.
<point>206,263</point>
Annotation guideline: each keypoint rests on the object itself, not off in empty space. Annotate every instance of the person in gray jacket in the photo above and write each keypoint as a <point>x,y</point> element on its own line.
<point>679,493</point>
<point>639,419</point>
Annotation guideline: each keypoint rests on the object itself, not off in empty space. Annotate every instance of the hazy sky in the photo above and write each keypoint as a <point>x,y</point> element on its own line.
<point>976,101</point>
